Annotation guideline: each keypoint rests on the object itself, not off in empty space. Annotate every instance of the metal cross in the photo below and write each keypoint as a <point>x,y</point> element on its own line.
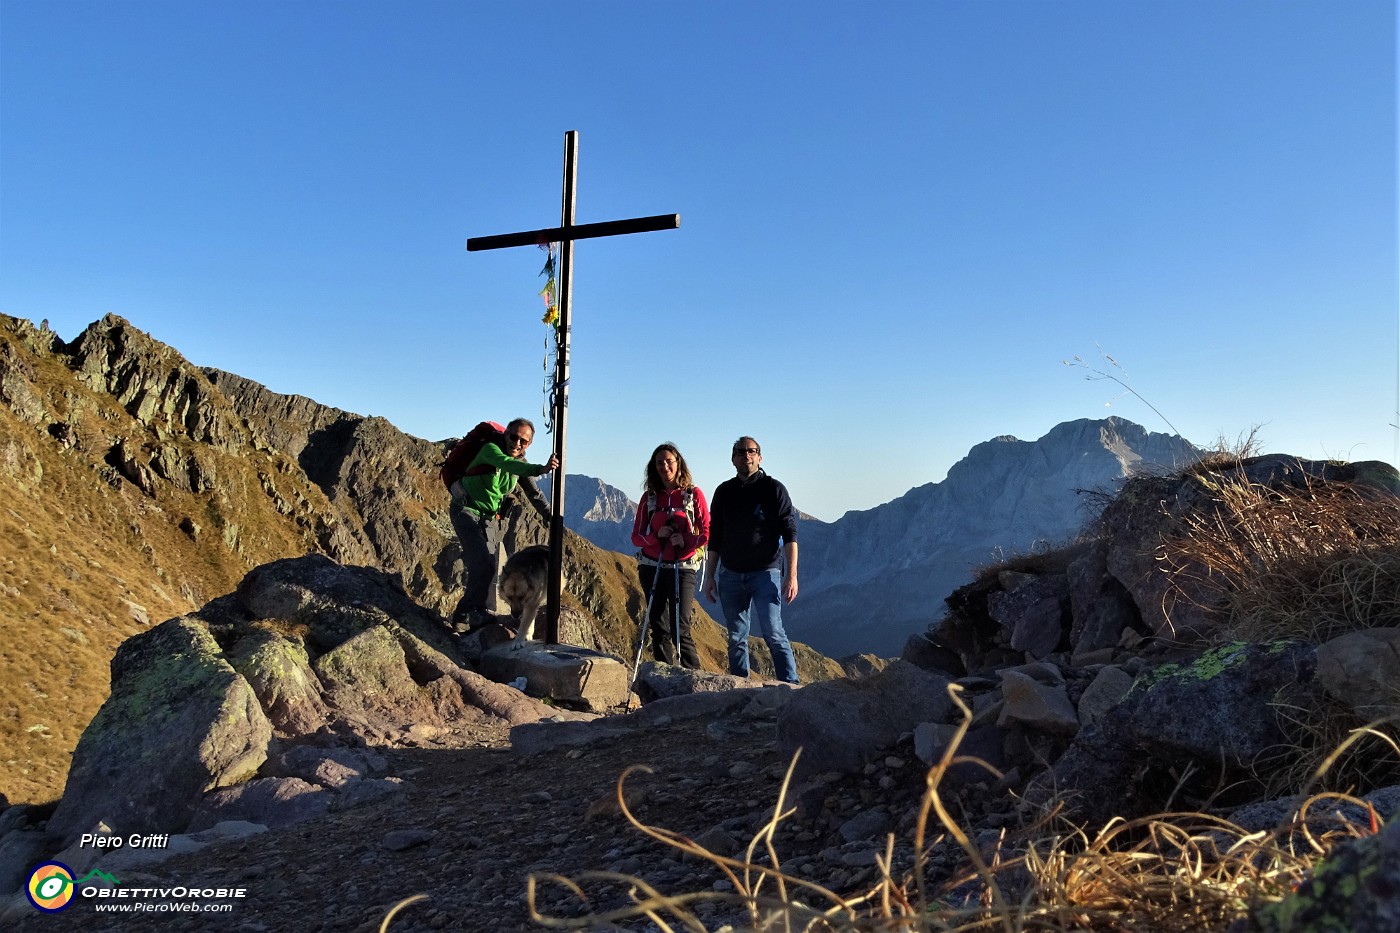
<point>565,234</point>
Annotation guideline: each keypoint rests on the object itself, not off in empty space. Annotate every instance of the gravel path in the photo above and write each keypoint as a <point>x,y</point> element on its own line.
<point>474,821</point>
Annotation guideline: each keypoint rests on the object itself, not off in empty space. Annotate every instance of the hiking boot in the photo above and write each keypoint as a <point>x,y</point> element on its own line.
<point>466,621</point>
<point>477,619</point>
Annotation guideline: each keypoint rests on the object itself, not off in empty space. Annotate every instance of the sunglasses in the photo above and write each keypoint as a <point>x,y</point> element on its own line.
<point>745,450</point>
<point>514,439</point>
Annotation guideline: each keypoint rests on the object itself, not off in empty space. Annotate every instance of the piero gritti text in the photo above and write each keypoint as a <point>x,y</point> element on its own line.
<point>134,841</point>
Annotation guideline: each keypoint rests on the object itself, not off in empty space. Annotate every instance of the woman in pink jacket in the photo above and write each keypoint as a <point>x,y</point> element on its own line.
<point>672,525</point>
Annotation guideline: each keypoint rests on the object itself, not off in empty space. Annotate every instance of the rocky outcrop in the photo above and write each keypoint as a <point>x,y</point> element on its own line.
<point>335,657</point>
<point>1112,589</point>
<point>1135,527</point>
<point>180,722</point>
<point>839,725</point>
<point>1073,698</point>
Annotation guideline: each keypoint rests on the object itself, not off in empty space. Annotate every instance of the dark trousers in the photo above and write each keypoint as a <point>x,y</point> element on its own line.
<point>480,537</point>
<point>664,604</point>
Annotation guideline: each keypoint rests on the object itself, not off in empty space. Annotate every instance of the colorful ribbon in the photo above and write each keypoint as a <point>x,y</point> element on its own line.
<point>550,293</point>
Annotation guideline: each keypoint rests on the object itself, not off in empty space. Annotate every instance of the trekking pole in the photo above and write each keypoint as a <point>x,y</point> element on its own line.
<point>646,624</point>
<point>676,609</point>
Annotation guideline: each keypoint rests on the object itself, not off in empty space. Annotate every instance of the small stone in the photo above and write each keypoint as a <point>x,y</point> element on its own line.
<point>859,858</point>
<point>871,823</point>
<point>718,841</point>
<point>401,839</point>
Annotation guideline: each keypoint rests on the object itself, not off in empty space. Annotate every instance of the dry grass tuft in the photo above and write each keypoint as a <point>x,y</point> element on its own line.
<point>398,909</point>
<point>286,628</point>
<point>1038,562</point>
<point>1225,453</point>
<point>1308,563</point>
<point>1327,751</point>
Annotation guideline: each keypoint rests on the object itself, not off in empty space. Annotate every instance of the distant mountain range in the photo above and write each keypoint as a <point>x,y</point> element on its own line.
<point>872,578</point>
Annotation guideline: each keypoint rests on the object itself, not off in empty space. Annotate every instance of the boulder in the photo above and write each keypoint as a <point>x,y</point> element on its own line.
<point>1100,606</point>
<point>1033,614</point>
<point>656,679</point>
<point>1362,670</point>
<point>576,677</point>
<point>368,681</point>
<point>279,671</point>
<point>1108,687</point>
<point>1220,712</point>
<point>982,743</point>
<point>839,725</point>
<point>333,602</point>
<point>923,651</point>
<point>269,802</point>
<point>1355,888</point>
<point>180,722</point>
<point>1223,705</point>
<point>1038,706</point>
<point>20,851</point>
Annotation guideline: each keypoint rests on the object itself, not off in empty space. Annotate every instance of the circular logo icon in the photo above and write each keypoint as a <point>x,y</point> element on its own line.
<point>50,887</point>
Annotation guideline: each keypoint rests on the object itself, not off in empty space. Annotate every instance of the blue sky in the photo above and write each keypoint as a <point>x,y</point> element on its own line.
<point>897,219</point>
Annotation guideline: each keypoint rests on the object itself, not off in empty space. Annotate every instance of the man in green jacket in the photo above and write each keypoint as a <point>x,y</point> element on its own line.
<point>476,506</point>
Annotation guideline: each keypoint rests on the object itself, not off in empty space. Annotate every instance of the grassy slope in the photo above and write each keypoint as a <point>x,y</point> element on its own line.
<point>87,560</point>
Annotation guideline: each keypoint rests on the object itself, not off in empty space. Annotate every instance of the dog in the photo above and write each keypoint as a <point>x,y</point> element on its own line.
<point>525,586</point>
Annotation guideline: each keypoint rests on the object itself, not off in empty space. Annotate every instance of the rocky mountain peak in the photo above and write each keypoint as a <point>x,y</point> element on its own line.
<point>872,578</point>
<point>599,512</point>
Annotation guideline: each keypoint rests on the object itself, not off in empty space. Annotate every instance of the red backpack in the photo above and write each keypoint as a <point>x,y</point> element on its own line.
<point>465,451</point>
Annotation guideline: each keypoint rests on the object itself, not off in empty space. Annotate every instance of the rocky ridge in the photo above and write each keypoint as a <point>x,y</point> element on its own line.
<point>138,486</point>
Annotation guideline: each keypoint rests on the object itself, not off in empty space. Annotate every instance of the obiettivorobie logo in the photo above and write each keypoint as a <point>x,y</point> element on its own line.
<point>52,887</point>
<point>52,884</point>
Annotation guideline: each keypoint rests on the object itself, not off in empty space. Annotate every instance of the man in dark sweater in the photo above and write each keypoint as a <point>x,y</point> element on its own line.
<point>752,559</point>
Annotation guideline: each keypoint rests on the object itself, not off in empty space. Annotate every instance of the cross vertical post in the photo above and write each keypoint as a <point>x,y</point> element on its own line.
<point>560,393</point>
<point>565,235</point>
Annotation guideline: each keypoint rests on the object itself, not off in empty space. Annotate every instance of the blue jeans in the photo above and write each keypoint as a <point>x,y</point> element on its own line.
<point>755,597</point>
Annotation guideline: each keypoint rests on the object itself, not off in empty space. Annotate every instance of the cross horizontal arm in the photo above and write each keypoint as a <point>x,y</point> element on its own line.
<point>575,232</point>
